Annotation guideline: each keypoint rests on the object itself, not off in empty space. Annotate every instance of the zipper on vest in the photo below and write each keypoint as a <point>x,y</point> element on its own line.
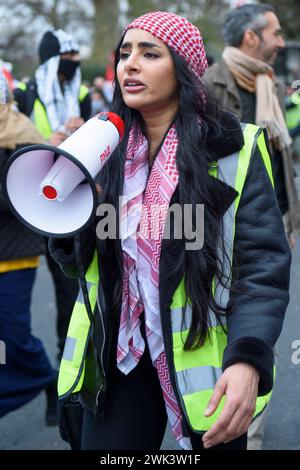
<point>100,402</point>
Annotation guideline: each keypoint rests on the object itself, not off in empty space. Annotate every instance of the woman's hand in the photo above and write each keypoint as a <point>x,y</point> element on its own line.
<point>240,385</point>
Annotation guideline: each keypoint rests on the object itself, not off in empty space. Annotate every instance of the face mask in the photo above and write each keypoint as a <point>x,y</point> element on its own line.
<point>67,68</point>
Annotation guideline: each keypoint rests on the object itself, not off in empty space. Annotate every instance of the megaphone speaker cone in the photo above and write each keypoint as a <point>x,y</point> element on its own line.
<point>57,196</point>
<point>44,213</point>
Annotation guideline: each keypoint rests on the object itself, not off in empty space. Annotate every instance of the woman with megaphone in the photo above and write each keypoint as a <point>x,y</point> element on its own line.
<point>166,328</point>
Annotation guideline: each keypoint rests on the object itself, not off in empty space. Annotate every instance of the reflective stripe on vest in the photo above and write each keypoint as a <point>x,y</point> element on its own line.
<point>197,371</point>
<point>71,372</point>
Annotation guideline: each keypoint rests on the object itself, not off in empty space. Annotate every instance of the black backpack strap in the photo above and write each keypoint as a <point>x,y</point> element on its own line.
<point>31,96</point>
<point>26,98</point>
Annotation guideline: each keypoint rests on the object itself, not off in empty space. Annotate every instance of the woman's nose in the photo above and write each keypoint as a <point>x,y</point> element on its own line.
<point>131,64</point>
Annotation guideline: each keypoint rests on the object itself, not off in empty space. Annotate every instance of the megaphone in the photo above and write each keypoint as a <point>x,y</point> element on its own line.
<point>52,189</point>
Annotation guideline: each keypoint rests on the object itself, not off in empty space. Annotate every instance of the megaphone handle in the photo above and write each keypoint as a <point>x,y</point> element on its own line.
<point>82,281</point>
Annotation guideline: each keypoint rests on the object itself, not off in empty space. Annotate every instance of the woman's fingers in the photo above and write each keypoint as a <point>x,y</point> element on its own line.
<point>217,432</point>
<point>236,427</point>
<point>240,384</point>
<point>214,402</point>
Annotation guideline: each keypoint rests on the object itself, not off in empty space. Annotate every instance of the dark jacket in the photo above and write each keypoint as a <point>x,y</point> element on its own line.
<point>16,241</point>
<point>223,87</point>
<point>260,292</point>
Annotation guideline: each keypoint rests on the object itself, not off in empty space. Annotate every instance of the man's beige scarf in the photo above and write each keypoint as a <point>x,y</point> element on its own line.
<point>258,77</point>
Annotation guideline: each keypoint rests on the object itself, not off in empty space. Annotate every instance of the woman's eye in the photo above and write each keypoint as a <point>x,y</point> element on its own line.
<point>150,55</point>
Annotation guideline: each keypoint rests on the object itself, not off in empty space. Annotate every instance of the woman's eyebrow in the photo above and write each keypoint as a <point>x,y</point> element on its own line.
<point>141,45</point>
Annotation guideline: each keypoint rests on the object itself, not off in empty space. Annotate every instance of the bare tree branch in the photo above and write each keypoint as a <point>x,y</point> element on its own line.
<point>23,23</point>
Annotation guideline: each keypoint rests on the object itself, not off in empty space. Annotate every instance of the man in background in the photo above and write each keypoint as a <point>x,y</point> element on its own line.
<point>244,82</point>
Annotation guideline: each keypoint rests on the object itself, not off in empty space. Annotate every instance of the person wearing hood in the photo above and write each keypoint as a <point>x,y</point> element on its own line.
<point>55,100</point>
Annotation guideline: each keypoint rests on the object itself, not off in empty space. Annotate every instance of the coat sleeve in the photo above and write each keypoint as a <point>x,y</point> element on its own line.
<point>260,291</point>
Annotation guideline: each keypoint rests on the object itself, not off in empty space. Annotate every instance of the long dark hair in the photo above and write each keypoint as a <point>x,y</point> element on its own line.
<point>198,126</point>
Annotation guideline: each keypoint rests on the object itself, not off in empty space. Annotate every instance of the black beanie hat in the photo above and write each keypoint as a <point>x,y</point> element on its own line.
<point>48,47</point>
<point>56,42</point>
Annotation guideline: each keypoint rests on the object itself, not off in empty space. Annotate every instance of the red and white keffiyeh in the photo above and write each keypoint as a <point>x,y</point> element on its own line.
<point>144,209</point>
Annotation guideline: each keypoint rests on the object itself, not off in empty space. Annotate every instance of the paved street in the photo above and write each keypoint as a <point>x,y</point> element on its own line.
<point>25,429</point>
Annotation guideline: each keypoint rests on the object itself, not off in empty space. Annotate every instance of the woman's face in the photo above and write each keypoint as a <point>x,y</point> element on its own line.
<point>146,73</point>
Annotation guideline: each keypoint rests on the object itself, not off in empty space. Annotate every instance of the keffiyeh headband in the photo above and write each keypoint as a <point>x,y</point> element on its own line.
<point>177,33</point>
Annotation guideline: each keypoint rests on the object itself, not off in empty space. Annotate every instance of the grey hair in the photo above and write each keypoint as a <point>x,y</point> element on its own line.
<point>242,18</point>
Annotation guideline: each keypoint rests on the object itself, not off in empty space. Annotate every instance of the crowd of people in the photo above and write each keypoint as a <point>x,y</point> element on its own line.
<point>180,117</point>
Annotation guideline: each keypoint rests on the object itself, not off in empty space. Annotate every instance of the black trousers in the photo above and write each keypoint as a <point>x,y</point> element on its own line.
<point>135,417</point>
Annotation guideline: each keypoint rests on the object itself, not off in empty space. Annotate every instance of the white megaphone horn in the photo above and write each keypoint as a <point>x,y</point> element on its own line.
<point>52,189</point>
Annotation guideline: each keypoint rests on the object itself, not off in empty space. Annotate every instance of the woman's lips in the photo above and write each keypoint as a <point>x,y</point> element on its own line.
<point>134,88</point>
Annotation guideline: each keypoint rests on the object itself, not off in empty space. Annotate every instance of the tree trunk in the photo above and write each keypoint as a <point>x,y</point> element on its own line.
<point>107,32</point>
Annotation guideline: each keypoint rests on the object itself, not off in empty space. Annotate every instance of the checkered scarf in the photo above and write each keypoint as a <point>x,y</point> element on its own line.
<point>144,209</point>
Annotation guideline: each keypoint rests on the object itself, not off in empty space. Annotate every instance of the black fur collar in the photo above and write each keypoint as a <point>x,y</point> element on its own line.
<point>231,139</point>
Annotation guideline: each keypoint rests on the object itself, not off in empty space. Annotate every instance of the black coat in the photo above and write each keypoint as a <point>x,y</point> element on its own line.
<point>260,293</point>
<point>16,240</point>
